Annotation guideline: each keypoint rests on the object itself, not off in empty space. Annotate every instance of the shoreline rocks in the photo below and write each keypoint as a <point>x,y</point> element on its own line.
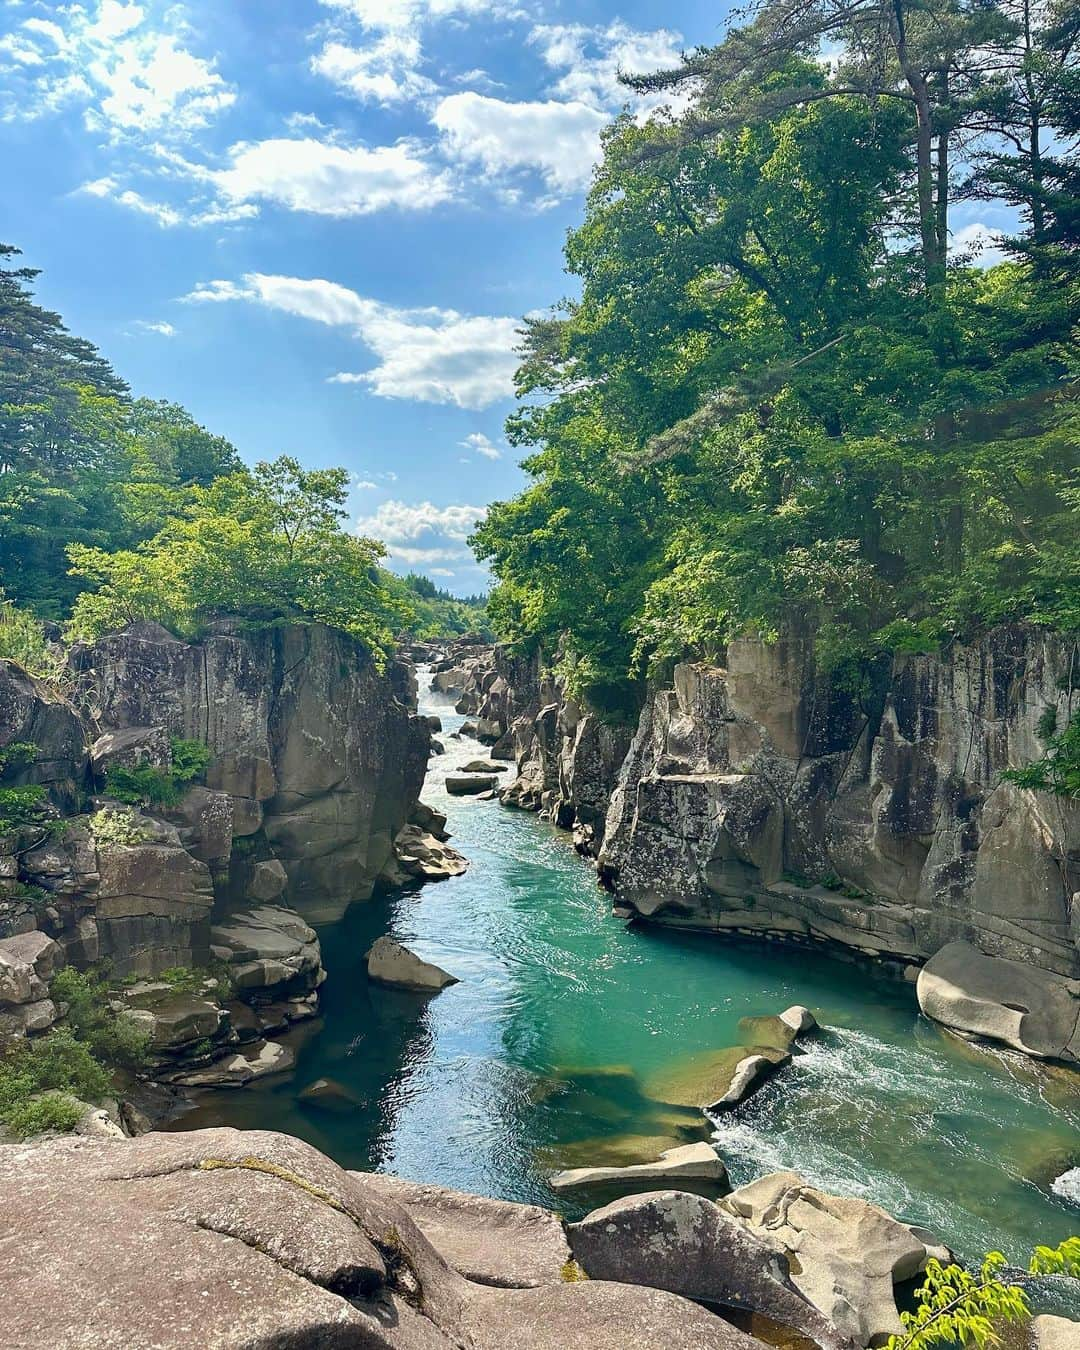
<point>688,1162</point>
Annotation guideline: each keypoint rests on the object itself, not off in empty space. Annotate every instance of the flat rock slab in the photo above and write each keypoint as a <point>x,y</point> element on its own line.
<point>219,1239</point>
<point>490,1241</point>
<point>389,962</point>
<point>690,1162</point>
<point>485,766</point>
<point>256,1060</point>
<point>1007,1001</point>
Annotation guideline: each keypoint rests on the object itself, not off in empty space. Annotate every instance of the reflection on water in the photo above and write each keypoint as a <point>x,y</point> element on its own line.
<point>542,1056</point>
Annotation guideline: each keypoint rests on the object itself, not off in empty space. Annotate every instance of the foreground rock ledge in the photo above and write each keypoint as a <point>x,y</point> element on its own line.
<point>227,1239</point>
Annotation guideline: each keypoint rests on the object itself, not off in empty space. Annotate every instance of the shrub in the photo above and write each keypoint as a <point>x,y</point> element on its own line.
<point>56,1063</point>
<point>1058,771</point>
<point>145,783</point>
<point>117,827</point>
<point>111,1039</point>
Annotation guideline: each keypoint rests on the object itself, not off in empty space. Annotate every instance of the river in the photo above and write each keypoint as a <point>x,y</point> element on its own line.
<point>543,1055</point>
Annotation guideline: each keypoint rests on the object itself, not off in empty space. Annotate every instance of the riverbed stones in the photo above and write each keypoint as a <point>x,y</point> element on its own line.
<point>688,1162</point>
<point>684,1243</point>
<point>490,1241</point>
<point>391,962</point>
<point>845,1254</point>
<point>1008,1001</point>
<point>485,766</point>
<point>214,1238</point>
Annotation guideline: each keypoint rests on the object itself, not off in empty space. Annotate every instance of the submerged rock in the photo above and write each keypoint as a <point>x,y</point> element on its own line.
<point>1008,1001</point>
<point>327,1094</point>
<point>718,1078</point>
<point>389,962</point>
<point>684,1243</point>
<point>687,1162</point>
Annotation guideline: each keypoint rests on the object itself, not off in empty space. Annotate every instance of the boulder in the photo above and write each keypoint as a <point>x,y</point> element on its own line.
<point>801,1020</point>
<point>485,766</point>
<point>469,784</point>
<point>1008,1001</point>
<point>746,1077</point>
<point>246,1238</point>
<point>266,881</point>
<point>327,1094</point>
<point>846,1255</point>
<point>698,1162</point>
<point>389,962</point>
<point>1055,1333</point>
<point>684,1243</point>
<point>129,747</point>
<point>490,1241</point>
<point>421,856</point>
<point>268,948</point>
<point>27,962</point>
<point>173,1019</point>
<point>717,1079</point>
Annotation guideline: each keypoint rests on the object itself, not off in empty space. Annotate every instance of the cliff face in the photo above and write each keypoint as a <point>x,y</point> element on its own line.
<point>315,767</point>
<point>754,798</point>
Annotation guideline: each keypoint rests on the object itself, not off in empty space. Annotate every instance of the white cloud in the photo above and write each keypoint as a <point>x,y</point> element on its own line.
<point>983,243</point>
<point>592,59</point>
<point>398,15</point>
<point>108,188</point>
<point>331,180</point>
<point>476,440</point>
<point>363,483</point>
<point>383,71</point>
<point>442,571</point>
<point>560,141</point>
<point>160,327</point>
<point>421,532</point>
<point>431,355</point>
<point>131,75</point>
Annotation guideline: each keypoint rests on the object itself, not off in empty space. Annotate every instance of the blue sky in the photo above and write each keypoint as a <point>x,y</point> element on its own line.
<point>315,223</point>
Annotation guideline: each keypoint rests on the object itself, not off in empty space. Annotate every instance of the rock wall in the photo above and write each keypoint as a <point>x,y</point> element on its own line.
<point>757,799</point>
<point>315,768</point>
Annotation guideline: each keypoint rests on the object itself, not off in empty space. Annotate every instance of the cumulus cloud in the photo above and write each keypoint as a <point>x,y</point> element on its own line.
<point>384,71</point>
<point>396,15</point>
<point>592,58</point>
<point>476,440</point>
<point>983,243</point>
<point>429,354</point>
<point>161,327</point>
<point>421,533</point>
<point>130,74</point>
<point>108,188</point>
<point>558,140</point>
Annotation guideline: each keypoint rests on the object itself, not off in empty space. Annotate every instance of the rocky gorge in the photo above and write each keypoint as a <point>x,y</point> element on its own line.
<point>759,799</point>
<point>663,1253</point>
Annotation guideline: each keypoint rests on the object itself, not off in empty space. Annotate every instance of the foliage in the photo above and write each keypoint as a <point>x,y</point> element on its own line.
<point>436,613</point>
<point>776,404</point>
<point>956,1307</point>
<point>183,979</point>
<point>265,544</point>
<point>56,1063</point>
<point>1061,1260</point>
<point>1058,771</point>
<point>109,826</point>
<point>113,1040</point>
<point>26,804</point>
<point>146,783</point>
<point>23,641</point>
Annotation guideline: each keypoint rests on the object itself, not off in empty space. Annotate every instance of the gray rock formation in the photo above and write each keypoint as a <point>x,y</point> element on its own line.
<point>27,963</point>
<point>389,962</point>
<point>490,1241</point>
<point>684,1243</point>
<point>1008,1001</point>
<point>760,800</point>
<point>219,1238</point>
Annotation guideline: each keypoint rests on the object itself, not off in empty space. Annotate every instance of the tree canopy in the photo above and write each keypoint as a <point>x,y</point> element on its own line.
<point>779,401</point>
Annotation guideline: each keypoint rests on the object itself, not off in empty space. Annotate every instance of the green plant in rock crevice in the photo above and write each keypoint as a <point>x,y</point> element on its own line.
<point>147,784</point>
<point>1058,771</point>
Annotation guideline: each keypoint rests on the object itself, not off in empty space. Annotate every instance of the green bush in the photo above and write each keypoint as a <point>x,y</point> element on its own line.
<point>117,827</point>
<point>56,1063</point>
<point>145,783</point>
<point>113,1040</point>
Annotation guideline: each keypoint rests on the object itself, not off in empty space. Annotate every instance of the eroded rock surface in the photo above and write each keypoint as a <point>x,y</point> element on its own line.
<point>390,962</point>
<point>222,1238</point>
<point>688,1162</point>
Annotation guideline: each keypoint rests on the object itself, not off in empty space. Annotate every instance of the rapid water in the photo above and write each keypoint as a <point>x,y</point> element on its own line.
<point>543,1055</point>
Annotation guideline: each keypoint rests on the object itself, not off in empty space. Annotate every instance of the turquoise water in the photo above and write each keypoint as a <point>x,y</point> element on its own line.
<point>545,1052</point>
